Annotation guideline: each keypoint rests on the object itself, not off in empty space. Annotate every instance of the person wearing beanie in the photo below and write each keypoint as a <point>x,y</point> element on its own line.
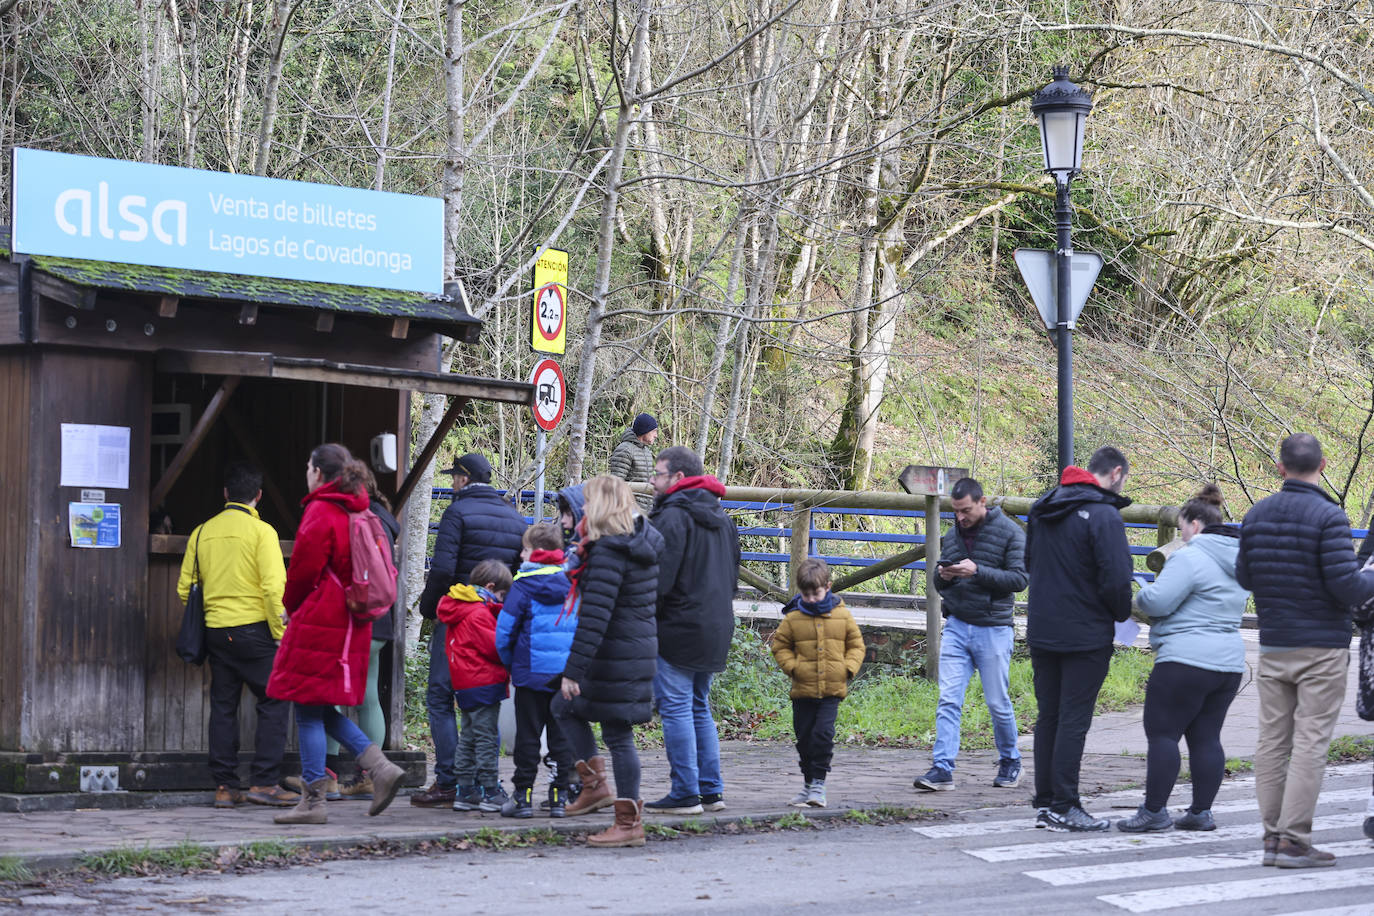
<point>633,457</point>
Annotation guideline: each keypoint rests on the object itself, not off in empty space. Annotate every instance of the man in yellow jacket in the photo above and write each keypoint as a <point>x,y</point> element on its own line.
<point>237,558</point>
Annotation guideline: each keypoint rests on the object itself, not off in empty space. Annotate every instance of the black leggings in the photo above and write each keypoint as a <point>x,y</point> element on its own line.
<point>1186,702</point>
<point>620,741</point>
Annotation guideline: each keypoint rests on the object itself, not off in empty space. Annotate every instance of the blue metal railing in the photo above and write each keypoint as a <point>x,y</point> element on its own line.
<point>840,535</point>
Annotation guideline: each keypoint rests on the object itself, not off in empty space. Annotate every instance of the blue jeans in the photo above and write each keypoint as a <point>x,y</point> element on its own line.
<point>439,704</point>
<point>689,733</point>
<point>963,648</point>
<point>312,723</point>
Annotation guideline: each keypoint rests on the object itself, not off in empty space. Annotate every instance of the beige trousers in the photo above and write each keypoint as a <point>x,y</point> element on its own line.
<point>1300,695</point>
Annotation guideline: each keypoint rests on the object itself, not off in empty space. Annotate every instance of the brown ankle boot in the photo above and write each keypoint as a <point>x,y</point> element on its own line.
<point>386,778</point>
<point>595,793</point>
<point>310,809</point>
<point>627,830</point>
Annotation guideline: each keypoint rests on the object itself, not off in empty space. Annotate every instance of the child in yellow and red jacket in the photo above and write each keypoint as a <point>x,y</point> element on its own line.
<point>819,646</point>
<point>479,681</point>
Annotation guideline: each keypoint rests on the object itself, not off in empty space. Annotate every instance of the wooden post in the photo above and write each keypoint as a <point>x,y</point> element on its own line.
<point>427,453</point>
<point>916,528</point>
<point>867,573</point>
<point>933,618</point>
<point>801,540</point>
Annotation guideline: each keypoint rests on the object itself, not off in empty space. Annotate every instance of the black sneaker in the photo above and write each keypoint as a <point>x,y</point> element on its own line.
<point>557,802</point>
<point>466,798</point>
<point>1008,774</point>
<point>521,804</point>
<point>494,798</point>
<point>1202,820</point>
<point>713,801</point>
<point>1146,821</point>
<point>1076,820</point>
<point>937,779</point>
<point>687,804</point>
<point>1042,818</point>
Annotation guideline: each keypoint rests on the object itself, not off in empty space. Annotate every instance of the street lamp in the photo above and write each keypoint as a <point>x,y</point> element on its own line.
<point>1061,109</point>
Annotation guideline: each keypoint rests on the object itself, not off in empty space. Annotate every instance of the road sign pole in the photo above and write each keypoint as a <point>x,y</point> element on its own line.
<point>539,442</point>
<point>1063,214</point>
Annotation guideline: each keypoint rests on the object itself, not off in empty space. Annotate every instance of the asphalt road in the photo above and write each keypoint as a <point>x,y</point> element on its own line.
<point>983,861</point>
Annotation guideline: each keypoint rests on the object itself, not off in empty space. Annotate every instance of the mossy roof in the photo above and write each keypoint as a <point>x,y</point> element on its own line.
<point>446,313</point>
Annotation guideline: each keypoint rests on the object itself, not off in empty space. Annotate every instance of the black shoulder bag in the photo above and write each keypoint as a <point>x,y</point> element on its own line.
<point>191,640</point>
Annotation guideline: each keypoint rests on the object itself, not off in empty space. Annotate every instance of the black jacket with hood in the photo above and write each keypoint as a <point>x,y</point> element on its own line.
<point>615,647</point>
<point>697,573</point>
<point>1080,566</point>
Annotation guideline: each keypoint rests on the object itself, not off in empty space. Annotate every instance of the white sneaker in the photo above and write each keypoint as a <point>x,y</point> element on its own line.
<point>816,797</point>
<point>801,798</point>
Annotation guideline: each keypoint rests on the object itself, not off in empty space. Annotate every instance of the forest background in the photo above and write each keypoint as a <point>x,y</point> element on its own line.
<point>790,222</point>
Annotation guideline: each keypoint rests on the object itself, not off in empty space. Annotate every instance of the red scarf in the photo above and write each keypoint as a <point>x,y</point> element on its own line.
<point>574,599</point>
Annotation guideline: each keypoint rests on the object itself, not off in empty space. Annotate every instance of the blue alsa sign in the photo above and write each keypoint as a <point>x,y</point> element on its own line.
<point>133,213</point>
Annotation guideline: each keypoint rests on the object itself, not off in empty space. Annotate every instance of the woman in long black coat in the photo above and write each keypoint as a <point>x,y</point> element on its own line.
<point>610,670</point>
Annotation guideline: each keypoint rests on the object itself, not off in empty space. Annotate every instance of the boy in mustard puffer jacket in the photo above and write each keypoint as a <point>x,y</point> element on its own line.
<point>820,648</point>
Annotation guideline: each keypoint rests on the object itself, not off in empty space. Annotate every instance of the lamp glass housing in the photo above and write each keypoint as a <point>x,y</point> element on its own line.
<point>1061,137</point>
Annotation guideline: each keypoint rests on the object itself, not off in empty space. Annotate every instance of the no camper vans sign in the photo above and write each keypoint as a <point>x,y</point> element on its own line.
<point>163,216</point>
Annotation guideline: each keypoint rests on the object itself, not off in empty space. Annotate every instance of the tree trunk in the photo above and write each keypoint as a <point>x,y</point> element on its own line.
<point>282,11</point>
<point>591,339</point>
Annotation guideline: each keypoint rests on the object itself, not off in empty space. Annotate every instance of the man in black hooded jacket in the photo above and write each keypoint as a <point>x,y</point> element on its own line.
<point>1080,586</point>
<point>696,619</point>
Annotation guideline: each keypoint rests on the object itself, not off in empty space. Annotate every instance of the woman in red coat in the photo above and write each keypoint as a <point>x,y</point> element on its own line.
<point>322,662</point>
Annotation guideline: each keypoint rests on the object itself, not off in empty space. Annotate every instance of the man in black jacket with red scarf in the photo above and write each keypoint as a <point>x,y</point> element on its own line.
<point>1080,587</point>
<point>696,620</point>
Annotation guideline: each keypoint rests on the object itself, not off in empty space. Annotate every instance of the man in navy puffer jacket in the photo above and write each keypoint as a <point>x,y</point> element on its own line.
<point>478,525</point>
<point>1298,558</point>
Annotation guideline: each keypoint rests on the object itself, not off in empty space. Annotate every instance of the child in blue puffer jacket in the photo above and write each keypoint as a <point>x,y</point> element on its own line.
<point>533,635</point>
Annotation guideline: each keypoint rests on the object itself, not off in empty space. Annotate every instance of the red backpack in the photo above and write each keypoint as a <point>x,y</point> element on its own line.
<point>373,590</point>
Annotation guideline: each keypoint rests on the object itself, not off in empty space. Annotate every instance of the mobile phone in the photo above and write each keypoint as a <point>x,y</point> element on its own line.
<point>944,562</point>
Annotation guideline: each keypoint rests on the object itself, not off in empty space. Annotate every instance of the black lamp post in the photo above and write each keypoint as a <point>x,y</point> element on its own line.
<point>1062,108</point>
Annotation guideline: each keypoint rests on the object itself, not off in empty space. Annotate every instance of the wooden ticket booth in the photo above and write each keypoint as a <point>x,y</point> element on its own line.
<point>173,373</point>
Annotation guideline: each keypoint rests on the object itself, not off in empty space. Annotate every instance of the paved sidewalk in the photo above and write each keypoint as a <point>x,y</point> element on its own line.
<point>760,778</point>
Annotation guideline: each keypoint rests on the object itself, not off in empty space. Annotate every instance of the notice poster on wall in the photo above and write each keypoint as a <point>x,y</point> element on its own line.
<point>93,524</point>
<point>95,456</point>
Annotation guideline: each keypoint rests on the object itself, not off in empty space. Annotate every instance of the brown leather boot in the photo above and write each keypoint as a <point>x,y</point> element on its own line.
<point>595,793</point>
<point>310,809</point>
<point>627,830</point>
<point>386,778</point>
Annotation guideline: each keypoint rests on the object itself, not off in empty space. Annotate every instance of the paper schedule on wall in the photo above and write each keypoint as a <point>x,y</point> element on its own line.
<point>95,456</point>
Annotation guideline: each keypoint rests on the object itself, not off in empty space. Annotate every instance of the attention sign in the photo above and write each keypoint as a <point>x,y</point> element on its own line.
<point>135,213</point>
<point>549,321</point>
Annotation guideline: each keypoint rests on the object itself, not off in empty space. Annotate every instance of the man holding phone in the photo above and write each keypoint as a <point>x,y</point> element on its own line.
<point>983,569</point>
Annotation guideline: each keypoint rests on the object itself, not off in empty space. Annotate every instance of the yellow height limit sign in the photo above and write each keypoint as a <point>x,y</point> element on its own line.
<point>549,324</point>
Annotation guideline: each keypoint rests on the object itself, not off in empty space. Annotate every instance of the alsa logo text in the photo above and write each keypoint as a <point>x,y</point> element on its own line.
<point>74,209</point>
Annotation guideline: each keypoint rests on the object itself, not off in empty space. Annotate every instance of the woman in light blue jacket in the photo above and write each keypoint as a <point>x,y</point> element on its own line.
<point>1195,608</point>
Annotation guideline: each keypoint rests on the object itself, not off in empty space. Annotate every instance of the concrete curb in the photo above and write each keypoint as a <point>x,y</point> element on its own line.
<point>48,862</point>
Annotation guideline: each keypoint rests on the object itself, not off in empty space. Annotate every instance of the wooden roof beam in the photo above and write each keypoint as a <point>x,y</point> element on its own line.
<point>427,453</point>
<point>193,440</point>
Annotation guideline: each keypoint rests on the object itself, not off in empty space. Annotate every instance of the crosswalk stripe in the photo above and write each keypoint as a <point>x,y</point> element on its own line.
<point>1026,821</point>
<point>1147,868</point>
<point>1359,909</point>
<point>1303,882</point>
<point>1102,843</point>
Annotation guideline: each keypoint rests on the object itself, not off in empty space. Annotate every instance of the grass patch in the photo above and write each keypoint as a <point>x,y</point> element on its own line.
<point>13,869</point>
<point>793,820</point>
<point>661,830</point>
<point>858,816</point>
<point>1236,765</point>
<point>1350,749</point>
<point>267,850</point>
<point>127,860</point>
